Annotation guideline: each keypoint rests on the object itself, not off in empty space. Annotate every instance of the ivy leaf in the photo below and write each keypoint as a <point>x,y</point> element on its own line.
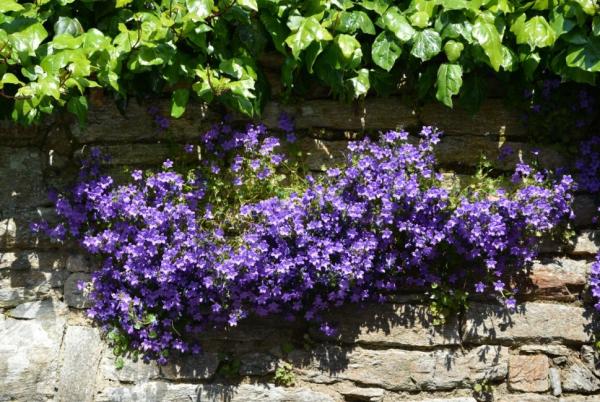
<point>9,5</point>
<point>486,35</point>
<point>122,3</point>
<point>347,45</point>
<point>352,21</point>
<point>426,44</point>
<point>179,101</point>
<point>385,50</point>
<point>251,4</point>
<point>198,10</point>
<point>66,25</point>
<point>78,105</point>
<point>449,81</point>
<point>586,57</point>
<point>310,30</point>
<point>398,24</point>
<point>28,39</point>
<point>379,6</point>
<point>536,32</point>
<point>360,84</point>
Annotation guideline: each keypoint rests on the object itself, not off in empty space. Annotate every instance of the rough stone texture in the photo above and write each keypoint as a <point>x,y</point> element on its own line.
<point>528,373</point>
<point>363,394</point>
<point>530,323</point>
<point>591,358</point>
<point>585,209</point>
<point>526,398</point>
<point>558,279</point>
<point>391,325</point>
<point>201,366</point>
<point>29,351</point>
<point>81,355</point>
<point>554,377</point>
<point>257,364</point>
<point>587,242</point>
<point>578,378</point>
<point>75,297</point>
<point>132,371</point>
<point>550,350</point>
<point>404,370</point>
<point>24,260</point>
<point>45,309</point>
<point>15,229</point>
<point>21,178</point>
<point>159,391</point>
<point>79,263</point>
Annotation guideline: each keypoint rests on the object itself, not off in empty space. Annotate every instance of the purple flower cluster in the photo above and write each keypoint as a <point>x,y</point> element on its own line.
<point>377,224</point>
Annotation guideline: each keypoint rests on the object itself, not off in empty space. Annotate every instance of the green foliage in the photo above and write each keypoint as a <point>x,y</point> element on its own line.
<point>284,375</point>
<point>53,51</point>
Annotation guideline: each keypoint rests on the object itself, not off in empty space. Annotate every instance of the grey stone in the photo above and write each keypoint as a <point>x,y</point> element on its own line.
<point>81,355</point>
<point>79,263</point>
<point>403,370</point>
<point>392,325</point>
<point>39,309</point>
<point>363,394</point>
<point>21,179</point>
<point>591,358</point>
<point>26,286</point>
<point>37,260</point>
<point>163,392</point>
<point>191,367</point>
<point>459,399</point>
<point>75,297</point>
<point>550,350</point>
<point>16,233</point>
<point>555,381</point>
<point>560,279</point>
<point>532,322</point>
<point>587,242</point>
<point>585,209</point>
<point>578,378</point>
<point>29,358</point>
<point>131,372</point>
<point>257,364</point>
<point>521,397</point>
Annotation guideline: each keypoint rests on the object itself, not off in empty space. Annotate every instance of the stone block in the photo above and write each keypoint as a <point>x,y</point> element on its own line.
<point>528,373</point>
<point>191,367</point>
<point>578,378</point>
<point>21,179</point>
<point>587,242</point>
<point>257,364</point>
<point>44,309</point>
<point>75,295</point>
<point>559,279</point>
<point>131,372</point>
<point>82,348</point>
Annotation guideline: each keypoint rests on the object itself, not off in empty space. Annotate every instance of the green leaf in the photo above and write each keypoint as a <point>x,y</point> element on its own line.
<point>122,3</point>
<point>454,4</point>
<point>453,50</point>
<point>398,24</point>
<point>119,363</point>
<point>360,84</point>
<point>78,106</point>
<point>9,78</point>
<point>420,19</point>
<point>586,57</point>
<point>449,81</point>
<point>385,50</point>
<point>251,4</point>
<point>28,39</point>
<point>199,9</point>
<point>9,5</point>
<point>379,6</point>
<point>426,44</point>
<point>310,30</point>
<point>596,25</point>
<point>179,101</point>
<point>536,32</point>
<point>352,21</point>
<point>486,35</point>
<point>347,45</point>
<point>66,25</point>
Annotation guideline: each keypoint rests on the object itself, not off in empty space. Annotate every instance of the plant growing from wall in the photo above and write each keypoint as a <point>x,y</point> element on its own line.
<point>188,249</point>
<point>53,52</point>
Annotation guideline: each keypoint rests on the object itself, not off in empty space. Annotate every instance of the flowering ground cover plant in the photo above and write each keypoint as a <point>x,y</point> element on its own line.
<point>187,250</point>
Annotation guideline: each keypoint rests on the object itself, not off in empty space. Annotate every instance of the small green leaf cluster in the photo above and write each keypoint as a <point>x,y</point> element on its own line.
<point>52,52</point>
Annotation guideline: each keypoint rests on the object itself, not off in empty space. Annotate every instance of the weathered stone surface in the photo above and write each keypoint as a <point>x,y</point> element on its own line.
<point>319,154</point>
<point>131,372</point>
<point>585,209</point>
<point>532,322</point>
<point>578,378</point>
<point>587,242</point>
<point>189,367</point>
<point>29,357</point>
<point>493,119</point>
<point>24,286</point>
<point>550,350</point>
<point>559,279</point>
<point>75,297</point>
<point>106,124</point>
<point>15,229</point>
<point>45,309</point>
<point>391,325</point>
<point>81,354</point>
<point>459,399</point>
<point>528,373</point>
<point>162,392</point>
<point>591,358</point>
<point>403,370</point>
<point>79,263</point>
<point>23,260</point>
<point>373,114</point>
<point>21,179</point>
<point>257,364</point>
<point>554,377</point>
<point>525,398</point>
<point>18,135</point>
<point>363,394</point>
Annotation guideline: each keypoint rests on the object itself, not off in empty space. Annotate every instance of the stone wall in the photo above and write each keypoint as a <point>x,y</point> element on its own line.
<point>49,350</point>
